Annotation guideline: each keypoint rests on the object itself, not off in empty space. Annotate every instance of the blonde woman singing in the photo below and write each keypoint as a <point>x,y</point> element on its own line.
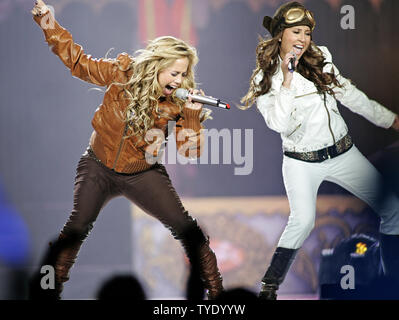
<point>138,101</point>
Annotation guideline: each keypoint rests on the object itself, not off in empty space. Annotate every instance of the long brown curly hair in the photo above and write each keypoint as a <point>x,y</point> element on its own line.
<point>310,66</point>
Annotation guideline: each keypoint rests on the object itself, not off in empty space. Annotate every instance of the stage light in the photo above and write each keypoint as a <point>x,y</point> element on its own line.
<point>361,248</point>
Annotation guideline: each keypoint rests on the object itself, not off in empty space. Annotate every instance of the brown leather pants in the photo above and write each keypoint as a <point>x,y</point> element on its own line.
<point>153,192</point>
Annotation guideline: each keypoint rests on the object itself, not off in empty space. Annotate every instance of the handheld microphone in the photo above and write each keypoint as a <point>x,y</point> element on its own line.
<point>184,95</point>
<point>291,63</point>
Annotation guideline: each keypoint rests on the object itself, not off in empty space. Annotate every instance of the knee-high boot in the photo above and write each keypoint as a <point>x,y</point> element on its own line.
<point>281,262</point>
<point>202,259</point>
<point>61,255</point>
<point>209,271</point>
<point>66,251</point>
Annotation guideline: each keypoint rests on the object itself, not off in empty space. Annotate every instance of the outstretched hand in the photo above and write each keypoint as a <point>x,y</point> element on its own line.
<point>40,8</point>
<point>395,124</point>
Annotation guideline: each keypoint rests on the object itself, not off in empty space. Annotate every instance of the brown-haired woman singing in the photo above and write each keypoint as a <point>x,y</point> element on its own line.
<point>296,85</point>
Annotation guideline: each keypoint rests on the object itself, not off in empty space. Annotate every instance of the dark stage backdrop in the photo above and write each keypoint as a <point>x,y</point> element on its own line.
<point>45,113</point>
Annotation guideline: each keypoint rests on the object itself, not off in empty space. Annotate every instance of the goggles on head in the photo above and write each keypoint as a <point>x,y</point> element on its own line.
<point>295,15</point>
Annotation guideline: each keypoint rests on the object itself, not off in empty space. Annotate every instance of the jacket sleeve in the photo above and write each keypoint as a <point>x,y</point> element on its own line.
<point>101,72</point>
<point>355,100</point>
<point>276,107</point>
<point>189,133</point>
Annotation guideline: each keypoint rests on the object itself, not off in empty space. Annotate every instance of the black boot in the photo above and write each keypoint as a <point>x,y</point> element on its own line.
<point>69,247</point>
<point>389,246</point>
<point>275,274</point>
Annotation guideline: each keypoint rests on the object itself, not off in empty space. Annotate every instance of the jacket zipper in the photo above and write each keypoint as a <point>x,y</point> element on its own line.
<point>120,146</point>
<point>306,94</point>
<point>329,121</point>
<point>294,130</point>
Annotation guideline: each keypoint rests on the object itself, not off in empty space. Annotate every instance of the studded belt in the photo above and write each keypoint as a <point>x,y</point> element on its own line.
<point>321,155</point>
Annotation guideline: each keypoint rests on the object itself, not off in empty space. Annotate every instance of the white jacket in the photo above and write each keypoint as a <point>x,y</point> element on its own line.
<point>302,119</point>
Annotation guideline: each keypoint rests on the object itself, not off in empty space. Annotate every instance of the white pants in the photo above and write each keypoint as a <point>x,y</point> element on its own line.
<point>351,171</point>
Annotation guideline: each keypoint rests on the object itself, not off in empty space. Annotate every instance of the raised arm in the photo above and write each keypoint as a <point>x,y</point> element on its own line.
<point>277,105</point>
<point>101,72</point>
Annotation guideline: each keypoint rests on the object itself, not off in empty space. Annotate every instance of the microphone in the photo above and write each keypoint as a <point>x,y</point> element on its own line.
<point>184,95</point>
<point>291,63</point>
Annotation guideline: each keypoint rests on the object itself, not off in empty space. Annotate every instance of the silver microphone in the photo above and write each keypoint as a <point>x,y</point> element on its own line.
<point>185,94</point>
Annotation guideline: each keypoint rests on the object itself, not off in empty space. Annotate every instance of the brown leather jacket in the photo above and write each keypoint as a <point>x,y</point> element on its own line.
<point>108,140</point>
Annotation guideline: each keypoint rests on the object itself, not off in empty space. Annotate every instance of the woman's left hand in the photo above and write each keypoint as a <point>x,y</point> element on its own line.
<point>191,104</point>
<point>395,124</point>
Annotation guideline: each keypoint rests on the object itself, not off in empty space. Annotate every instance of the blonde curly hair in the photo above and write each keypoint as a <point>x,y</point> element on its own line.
<point>143,89</point>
